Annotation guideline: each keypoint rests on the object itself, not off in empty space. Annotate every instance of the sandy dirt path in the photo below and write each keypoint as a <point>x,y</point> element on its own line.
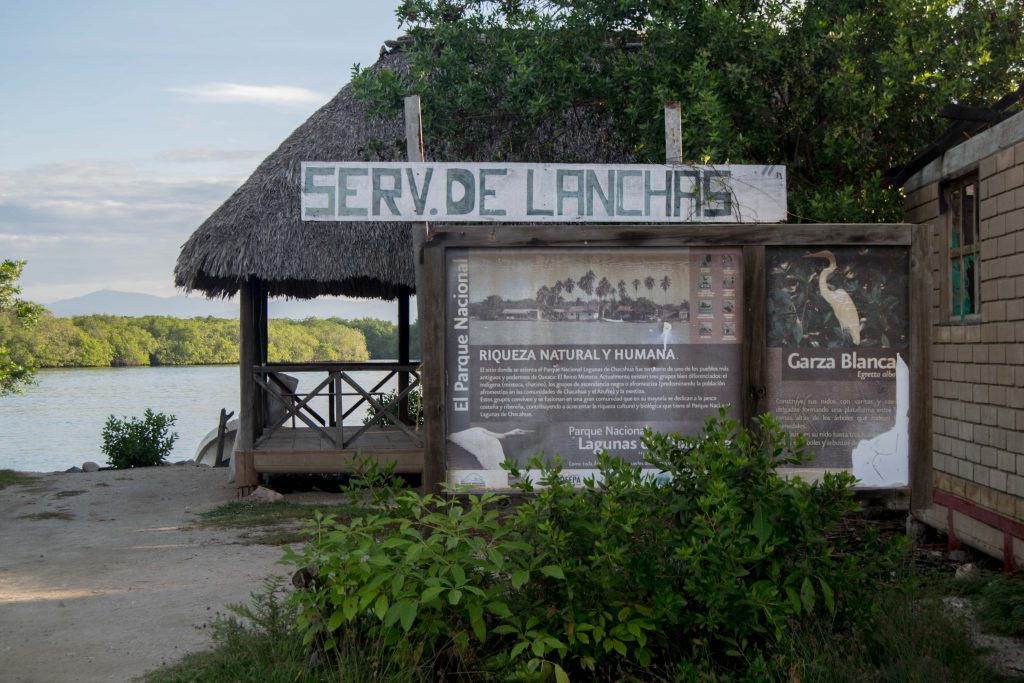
<point>126,582</point>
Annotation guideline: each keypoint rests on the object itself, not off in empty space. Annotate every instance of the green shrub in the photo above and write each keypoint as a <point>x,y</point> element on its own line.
<point>698,574</point>
<point>131,442</point>
<point>415,408</point>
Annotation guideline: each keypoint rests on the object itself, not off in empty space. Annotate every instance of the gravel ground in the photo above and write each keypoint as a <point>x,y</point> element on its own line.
<point>103,576</point>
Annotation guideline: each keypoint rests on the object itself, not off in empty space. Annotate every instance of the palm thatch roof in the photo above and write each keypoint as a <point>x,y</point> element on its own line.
<point>258,232</point>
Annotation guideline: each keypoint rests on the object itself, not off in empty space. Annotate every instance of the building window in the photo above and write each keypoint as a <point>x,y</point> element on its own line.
<point>964,250</point>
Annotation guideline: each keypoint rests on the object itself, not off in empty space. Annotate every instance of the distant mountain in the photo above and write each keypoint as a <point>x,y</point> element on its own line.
<point>135,304</point>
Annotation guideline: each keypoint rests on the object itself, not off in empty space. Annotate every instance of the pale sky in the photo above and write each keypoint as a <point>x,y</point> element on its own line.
<point>125,123</point>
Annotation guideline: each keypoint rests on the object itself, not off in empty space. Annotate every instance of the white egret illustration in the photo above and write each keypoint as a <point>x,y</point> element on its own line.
<point>884,459</point>
<point>666,334</point>
<point>839,299</point>
<point>484,444</point>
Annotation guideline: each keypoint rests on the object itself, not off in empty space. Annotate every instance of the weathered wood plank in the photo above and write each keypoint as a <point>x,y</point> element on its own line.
<point>403,355</point>
<point>920,371</point>
<point>503,193</point>
<point>406,462</point>
<point>893,234</point>
<point>433,337</point>
<point>245,476</point>
<point>673,133</point>
<point>342,365</point>
<point>754,333</point>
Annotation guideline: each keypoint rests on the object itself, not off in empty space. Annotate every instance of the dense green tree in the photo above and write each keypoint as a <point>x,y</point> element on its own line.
<point>107,340</point>
<point>381,336</point>
<point>15,313</point>
<point>837,91</point>
<point>59,343</point>
<point>127,343</point>
<point>336,341</point>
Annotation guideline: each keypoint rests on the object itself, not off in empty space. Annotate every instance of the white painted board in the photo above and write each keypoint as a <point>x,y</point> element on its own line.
<point>542,193</point>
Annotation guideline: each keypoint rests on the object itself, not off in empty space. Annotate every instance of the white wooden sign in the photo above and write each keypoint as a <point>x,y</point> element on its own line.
<point>542,193</point>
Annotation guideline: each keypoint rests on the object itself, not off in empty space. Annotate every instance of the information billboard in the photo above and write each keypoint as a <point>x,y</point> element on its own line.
<point>837,356</point>
<point>572,351</point>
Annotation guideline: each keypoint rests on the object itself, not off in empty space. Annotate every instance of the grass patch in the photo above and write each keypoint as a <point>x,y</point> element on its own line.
<point>912,637</point>
<point>998,601</point>
<point>13,478</point>
<point>259,643</point>
<point>68,494</point>
<point>102,483</point>
<point>277,537</point>
<point>245,514</point>
<point>49,514</point>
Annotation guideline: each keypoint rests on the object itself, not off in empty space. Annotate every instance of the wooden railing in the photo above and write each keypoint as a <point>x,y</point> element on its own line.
<point>344,396</point>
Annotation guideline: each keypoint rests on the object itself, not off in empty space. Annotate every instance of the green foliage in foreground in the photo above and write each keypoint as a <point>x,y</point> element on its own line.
<point>699,574</point>
<point>16,315</point>
<point>107,340</point>
<point>131,442</point>
<point>912,637</point>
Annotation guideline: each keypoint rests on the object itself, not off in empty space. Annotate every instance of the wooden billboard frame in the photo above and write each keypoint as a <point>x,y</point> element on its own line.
<point>753,239</point>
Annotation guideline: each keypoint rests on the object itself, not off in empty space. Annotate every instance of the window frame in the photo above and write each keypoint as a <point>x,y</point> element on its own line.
<point>962,255</point>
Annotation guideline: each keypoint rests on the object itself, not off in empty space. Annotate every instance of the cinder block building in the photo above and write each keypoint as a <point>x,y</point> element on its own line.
<point>971,195</point>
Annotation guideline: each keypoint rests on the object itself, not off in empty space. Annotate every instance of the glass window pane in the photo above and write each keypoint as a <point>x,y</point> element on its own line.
<point>970,285</point>
<point>956,298</point>
<point>968,213</point>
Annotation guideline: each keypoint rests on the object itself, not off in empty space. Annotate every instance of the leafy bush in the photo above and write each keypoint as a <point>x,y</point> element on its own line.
<point>132,442</point>
<point>415,407</point>
<point>697,574</point>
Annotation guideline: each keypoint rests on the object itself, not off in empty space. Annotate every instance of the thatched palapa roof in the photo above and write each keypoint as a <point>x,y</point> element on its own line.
<point>258,232</point>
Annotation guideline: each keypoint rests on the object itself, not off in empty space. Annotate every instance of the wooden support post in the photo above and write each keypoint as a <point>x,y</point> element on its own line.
<point>673,133</point>
<point>245,474</point>
<point>260,306</point>
<point>432,330</point>
<point>920,371</point>
<point>403,354</point>
<point>429,315</point>
<point>754,335</point>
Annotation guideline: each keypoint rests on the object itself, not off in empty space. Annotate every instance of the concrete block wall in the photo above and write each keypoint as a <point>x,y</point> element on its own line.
<point>978,366</point>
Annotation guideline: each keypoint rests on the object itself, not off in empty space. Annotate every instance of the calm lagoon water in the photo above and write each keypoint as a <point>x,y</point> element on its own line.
<point>58,422</point>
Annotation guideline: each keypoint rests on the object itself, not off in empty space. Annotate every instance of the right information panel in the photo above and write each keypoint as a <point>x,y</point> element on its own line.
<point>837,323</point>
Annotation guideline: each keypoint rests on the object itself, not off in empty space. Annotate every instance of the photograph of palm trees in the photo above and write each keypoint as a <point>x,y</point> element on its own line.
<point>571,285</point>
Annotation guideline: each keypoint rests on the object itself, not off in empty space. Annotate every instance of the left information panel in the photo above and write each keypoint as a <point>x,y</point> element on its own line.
<point>572,351</point>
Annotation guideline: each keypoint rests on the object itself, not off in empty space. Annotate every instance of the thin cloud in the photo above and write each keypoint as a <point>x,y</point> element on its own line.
<point>29,240</point>
<point>286,95</point>
<point>205,155</point>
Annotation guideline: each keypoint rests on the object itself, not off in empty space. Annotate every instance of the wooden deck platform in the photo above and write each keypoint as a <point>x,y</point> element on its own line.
<point>303,450</point>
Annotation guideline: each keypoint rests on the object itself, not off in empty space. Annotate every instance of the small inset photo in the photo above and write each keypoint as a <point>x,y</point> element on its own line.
<point>705,261</point>
<point>729,307</point>
<point>729,330</point>
<point>704,282</point>
<point>706,330</point>
<point>706,308</point>
<point>727,261</point>
<point>729,282</point>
